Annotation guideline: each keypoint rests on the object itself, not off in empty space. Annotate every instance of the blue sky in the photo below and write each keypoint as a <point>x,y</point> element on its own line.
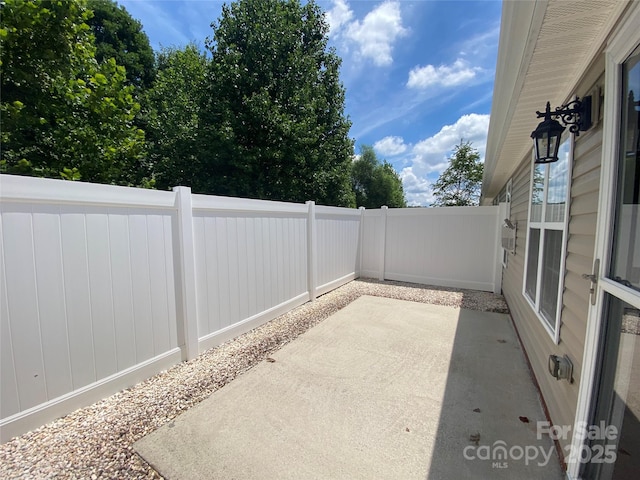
<point>418,74</point>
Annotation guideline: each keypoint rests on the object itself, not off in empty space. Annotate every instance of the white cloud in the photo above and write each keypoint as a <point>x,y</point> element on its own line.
<point>417,190</point>
<point>390,146</point>
<point>429,157</point>
<point>373,38</point>
<point>339,15</point>
<point>482,45</point>
<point>446,75</point>
<point>431,154</point>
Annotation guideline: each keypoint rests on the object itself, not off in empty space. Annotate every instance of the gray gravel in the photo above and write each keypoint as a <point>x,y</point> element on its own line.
<point>97,441</point>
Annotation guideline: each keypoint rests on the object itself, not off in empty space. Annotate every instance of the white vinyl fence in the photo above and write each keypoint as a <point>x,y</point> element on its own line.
<point>103,286</point>
<point>452,246</point>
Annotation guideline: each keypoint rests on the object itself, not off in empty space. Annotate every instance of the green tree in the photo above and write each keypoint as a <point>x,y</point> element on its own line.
<point>118,35</point>
<point>459,185</point>
<point>376,184</point>
<point>273,123</point>
<point>173,116</point>
<point>63,114</point>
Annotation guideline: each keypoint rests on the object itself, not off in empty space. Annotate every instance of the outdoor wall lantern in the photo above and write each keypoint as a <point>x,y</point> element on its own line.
<point>546,136</point>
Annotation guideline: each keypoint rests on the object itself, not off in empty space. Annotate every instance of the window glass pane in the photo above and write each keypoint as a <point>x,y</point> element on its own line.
<point>550,275</point>
<point>552,144</point>
<point>537,192</point>
<point>617,403</point>
<point>558,182</point>
<point>626,249</point>
<point>532,263</point>
<point>549,192</point>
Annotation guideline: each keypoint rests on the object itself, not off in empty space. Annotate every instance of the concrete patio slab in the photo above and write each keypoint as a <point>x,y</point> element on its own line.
<point>383,389</point>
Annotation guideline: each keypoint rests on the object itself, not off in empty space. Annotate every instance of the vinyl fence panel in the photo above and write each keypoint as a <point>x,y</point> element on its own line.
<point>251,261</point>
<point>447,246</point>
<point>338,249</point>
<point>104,286</point>
<point>373,237</point>
<point>87,294</point>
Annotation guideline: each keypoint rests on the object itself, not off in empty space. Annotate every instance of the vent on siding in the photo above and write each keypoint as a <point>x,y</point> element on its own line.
<point>509,236</point>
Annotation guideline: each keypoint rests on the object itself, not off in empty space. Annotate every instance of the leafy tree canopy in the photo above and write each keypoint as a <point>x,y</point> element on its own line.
<point>376,184</point>
<point>173,116</point>
<point>63,114</point>
<point>459,185</point>
<point>120,36</point>
<point>272,122</point>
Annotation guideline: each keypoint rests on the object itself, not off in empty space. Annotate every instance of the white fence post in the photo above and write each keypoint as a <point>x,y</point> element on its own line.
<point>360,241</point>
<point>312,251</point>
<point>161,262</point>
<point>186,295</point>
<point>383,241</point>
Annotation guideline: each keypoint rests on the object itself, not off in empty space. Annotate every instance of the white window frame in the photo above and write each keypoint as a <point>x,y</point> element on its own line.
<point>552,330</point>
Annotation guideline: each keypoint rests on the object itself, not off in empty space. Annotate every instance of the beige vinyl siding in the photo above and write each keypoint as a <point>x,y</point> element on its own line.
<point>580,248</point>
<point>559,396</point>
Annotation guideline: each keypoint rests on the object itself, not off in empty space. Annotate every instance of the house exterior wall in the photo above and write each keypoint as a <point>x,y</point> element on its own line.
<point>560,397</point>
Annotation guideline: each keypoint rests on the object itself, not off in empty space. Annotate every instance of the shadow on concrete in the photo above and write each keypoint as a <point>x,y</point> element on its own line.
<point>382,389</point>
<point>490,409</point>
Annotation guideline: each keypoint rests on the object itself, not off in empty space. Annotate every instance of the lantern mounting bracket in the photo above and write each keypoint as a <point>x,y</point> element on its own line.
<point>548,134</point>
<point>576,114</point>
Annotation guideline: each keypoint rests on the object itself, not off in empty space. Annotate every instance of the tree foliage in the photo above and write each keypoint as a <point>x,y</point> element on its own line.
<point>273,123</point>
<point>119,36</point>
<point>173,116</point>
<point>262,117</point>
<point>459,184</point>
<point>64,114</point>
<point>375,184</point>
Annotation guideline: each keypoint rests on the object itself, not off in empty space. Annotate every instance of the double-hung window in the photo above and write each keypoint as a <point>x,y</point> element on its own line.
<point>544,266</point>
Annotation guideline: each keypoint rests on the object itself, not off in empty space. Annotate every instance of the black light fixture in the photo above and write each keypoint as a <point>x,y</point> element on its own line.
<point>546,136</point>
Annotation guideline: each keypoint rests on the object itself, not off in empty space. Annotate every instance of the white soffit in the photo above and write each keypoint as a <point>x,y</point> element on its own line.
<point>545,48</point>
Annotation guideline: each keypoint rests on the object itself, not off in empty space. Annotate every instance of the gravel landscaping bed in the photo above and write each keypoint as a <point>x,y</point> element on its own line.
<point>97,441</point>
